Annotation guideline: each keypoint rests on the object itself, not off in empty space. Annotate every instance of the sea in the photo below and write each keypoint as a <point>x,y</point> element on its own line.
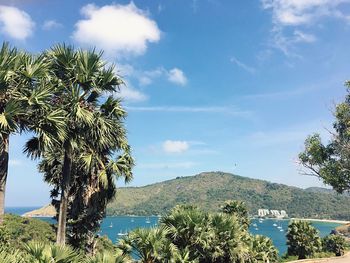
<point>115,227</point>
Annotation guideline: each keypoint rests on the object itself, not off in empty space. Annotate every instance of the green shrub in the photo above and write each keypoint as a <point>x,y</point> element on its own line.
<point>335,244</point>
<point>302,239</point>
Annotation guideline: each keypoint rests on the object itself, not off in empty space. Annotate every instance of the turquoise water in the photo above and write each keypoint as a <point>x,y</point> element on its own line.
<point>112,226</point>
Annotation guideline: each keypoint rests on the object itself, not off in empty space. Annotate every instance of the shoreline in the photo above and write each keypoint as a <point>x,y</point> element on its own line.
<point>322,220</point>
<point>343,222</point>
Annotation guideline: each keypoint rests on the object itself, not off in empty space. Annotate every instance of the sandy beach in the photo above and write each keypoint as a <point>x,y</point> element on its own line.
<point>323,220</point>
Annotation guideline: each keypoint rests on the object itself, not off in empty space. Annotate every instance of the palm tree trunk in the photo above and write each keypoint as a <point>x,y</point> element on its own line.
<point>4,162</point>
<point>62,216</point>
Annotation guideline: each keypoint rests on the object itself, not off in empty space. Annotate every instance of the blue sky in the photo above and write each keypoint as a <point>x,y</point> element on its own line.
<point>231,86</point>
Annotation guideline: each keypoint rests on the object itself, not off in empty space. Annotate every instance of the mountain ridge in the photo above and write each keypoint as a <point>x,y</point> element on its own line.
<point>210,189</point>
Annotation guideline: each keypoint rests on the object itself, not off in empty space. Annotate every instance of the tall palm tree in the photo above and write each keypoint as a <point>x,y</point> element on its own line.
<point>80,79</point>
<point>94,170</point>
<point>8,112</point>
<point>23,100</point>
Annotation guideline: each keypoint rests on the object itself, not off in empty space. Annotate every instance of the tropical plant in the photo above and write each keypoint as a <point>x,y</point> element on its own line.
<point>24,96</point>
<point>302,239</point>
<point>149,245</point>
<point>335,244</point>
<point>110,257</point>
<point>51,253</point>
<point>94,133</point>
<point>238,209</point>
<point>17,230</point>
<point>262,250</point>
<point>12,256</point>
<point>207,237</point>
<point>331,162</point>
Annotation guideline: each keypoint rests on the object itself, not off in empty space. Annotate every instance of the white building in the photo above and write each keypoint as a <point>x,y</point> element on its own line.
<point>263,212</point>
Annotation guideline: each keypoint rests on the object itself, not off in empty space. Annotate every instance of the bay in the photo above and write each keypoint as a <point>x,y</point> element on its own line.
<point>115,227</point>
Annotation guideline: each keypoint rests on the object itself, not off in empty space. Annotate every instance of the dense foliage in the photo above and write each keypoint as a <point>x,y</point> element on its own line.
<point>67,98</point>
<point>17,230</point>
<point>303,239</point>
<point>188,234</point>
<point>331,162</point>
<point>210,190</point>
<point>335,244</point>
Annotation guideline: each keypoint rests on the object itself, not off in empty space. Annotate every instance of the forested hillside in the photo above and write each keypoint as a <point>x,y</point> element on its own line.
<point>209,190</point>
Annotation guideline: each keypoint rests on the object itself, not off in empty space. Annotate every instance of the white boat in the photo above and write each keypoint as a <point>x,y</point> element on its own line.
<point>148,221</point>
<point>255,225</point>
<point>122,234</point>
<point>274,224</point>
<point>111,225</point>
<point>281,230</point>
<point>256,229</point>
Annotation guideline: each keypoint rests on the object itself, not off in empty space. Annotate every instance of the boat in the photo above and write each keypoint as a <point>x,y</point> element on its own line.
<point>281,230</point>
<point>148,221</point>
<point>255,225</point>
<point>111,225</point>
<point>122,234</point>
<point>256,229</point>
<point>274,224</point>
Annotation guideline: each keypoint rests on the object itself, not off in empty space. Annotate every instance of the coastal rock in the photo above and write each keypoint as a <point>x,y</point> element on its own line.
<point>46,211</point>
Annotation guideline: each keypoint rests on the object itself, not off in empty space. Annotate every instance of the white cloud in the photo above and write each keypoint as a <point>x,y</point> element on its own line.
<point>298,12</point>
<point>242,65</point>
<point>51,24</point>
<point>175,146</point>
<point>289,14</point>
<point>147,77</point>
<point>177,76</point>
<point>206,109</point>
<point>15,162</point>
<point>300,36</point>
<point>118,29</point>
<point>15,23</point>
<point>128,93</point>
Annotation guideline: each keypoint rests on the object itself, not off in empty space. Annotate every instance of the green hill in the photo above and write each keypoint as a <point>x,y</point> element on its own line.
<point>210,190</point>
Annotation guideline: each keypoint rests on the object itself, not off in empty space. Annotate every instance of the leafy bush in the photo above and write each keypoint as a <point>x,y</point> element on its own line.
<point>335,244</point>
<point>188,234</point>
<point>302,239</point>
<point>17,230</point>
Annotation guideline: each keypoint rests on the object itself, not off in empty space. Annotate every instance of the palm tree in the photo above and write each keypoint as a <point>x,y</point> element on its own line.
<point>94,170</point>
<point>237,208</point>
<point>262,250</point>
<point>230,239</point>
<point>205,237</point>
<point>9,110</point>
<point>51,253</point>
<point>187,227</point>
<point>108,257</point>
<point>80,78</point>
<point>302,239</point>
<point>335,244</point>
<point>23,100</point>
<point>148,244</point>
